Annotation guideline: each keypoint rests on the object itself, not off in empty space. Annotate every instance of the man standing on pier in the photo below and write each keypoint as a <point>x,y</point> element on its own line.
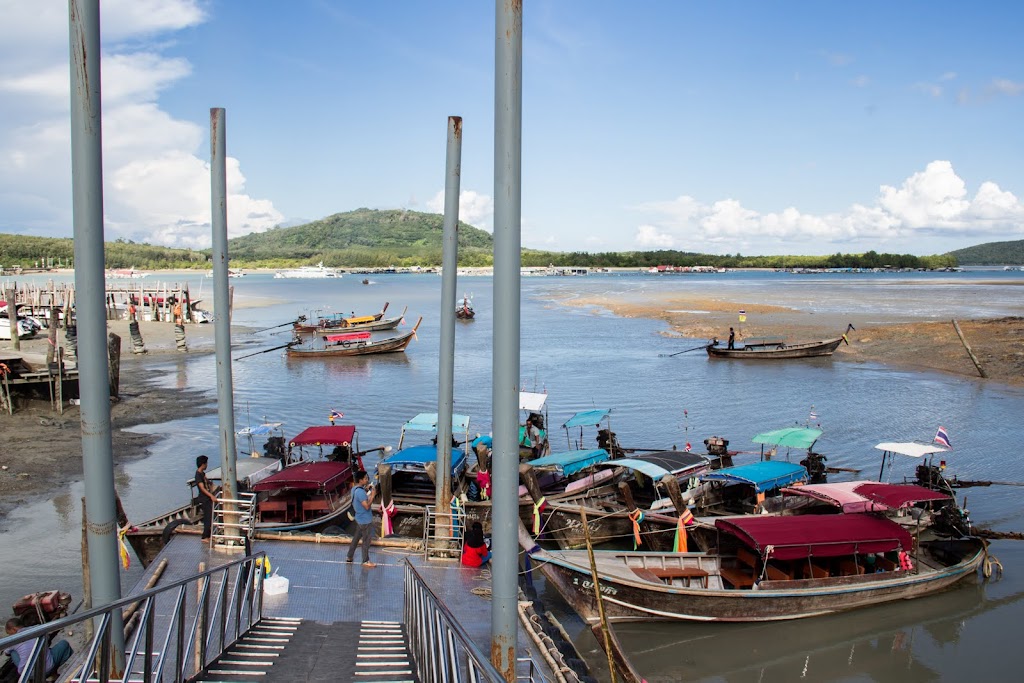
<point>362,504</point>
<point>206,497</point>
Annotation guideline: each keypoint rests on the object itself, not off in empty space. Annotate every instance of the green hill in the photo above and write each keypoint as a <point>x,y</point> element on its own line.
<point>991,254</point>
<point>365,237</point>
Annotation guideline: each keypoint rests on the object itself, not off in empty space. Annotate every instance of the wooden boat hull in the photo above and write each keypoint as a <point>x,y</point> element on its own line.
<point>149,538</point>
<point>374,326</point>
<point>637,599</point>
<point>393,345</point>
<point>781,352</point>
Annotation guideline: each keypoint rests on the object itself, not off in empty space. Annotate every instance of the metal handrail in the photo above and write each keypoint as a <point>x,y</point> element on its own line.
<point>246,604</point>
<point>440,647</point>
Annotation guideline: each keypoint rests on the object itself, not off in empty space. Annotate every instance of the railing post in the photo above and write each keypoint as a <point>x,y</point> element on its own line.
<point>147,667</point>
<point>180,647</point>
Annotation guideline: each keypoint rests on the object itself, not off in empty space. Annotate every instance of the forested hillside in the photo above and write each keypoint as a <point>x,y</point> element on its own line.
<point>992,254</point>
<point>364,238</point>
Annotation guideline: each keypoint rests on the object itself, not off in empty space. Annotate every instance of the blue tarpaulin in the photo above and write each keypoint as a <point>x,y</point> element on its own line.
<point>427,422</point>
<point>570,462</point>
<point>763,476</point>
<point>587,417</point>
<point>416,457</point>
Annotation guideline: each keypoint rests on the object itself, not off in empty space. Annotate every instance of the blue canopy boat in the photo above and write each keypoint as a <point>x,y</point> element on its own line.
<point>743,488</point>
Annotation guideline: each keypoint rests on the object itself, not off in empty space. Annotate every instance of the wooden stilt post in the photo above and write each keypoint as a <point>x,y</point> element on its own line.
<point>963,340</point>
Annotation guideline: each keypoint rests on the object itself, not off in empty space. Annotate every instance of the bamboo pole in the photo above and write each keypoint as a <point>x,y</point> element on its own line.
<point>597,596</point>
<point>967,346</point>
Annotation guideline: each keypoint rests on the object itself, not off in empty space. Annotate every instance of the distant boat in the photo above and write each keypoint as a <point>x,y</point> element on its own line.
<point>776,348</point>
<point>125,274</point>
<point>464,310</point>
<point>308,272</point>
<point>231,273</point>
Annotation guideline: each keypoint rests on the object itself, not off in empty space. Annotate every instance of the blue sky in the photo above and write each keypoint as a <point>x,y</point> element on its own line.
<point>719,127</point>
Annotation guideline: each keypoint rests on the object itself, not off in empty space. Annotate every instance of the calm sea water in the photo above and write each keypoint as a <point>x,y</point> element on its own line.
<point>587,358</point>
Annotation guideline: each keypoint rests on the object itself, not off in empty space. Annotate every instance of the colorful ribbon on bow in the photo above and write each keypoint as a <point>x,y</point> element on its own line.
<point>685,519</point>
<point>636,516</point>
<point>484,481</point>
<point>122,548</point>
<point>387,528</point>
<point>538,507</point>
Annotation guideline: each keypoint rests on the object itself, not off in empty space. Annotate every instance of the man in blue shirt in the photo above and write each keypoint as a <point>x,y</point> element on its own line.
<point>362,504</point>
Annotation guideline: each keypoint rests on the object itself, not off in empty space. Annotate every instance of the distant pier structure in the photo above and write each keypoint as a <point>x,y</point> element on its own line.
<point>152,301</point>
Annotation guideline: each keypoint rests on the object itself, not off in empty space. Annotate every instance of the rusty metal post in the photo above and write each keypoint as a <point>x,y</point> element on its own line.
<point>90,291</point>
<point>446,376</point>
<point>222,319</point>
<point>508,143</point>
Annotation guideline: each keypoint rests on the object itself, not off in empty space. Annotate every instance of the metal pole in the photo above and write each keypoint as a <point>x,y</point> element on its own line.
<point>222,310</point>
<point>508,143</point>
<point>446,379</point>
<point>90,310</point>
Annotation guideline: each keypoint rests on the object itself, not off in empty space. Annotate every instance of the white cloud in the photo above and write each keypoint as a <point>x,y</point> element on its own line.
<point>648,237</point>
<point>934,200</point>
<point>861,81</point>
<point>929,89</point>
<point>1004,86</point>
<point>474,208</point>
<point>157,182</point>
<point>948,76</point>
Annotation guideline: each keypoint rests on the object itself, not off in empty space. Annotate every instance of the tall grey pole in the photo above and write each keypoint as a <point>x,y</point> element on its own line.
<point>222,310</point>
<point>91,313</point>
<point>446,379</point>
<point>508,143</point>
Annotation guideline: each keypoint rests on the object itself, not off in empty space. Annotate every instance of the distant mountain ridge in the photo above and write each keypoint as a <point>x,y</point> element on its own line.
<point>991,254</point>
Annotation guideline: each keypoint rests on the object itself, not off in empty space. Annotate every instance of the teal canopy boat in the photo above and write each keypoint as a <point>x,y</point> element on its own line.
<point>790,437</point>
<point>763,476</point>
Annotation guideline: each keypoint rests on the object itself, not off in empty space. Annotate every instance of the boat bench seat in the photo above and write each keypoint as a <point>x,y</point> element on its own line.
<point>848,567</point>
<point>773,573</point>
<point>274,510</point>
<point>669,574</point>
<point>737,577</point>
<point>746,557</point>
<point>315,508</point>
<point>818,571</point>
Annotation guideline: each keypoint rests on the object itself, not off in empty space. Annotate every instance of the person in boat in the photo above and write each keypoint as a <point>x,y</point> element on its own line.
<point>475,552</point>
<point>206,496</point>
<point>362,504</point>
<point>536,440</point>
<point>732,339</point>
<point>56,655</point>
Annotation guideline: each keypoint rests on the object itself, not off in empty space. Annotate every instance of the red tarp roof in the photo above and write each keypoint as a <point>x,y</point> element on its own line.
<point>349,336</point>
<point>308,476</point>
<point>800,536</point>
<point>898,495</point>
<point>328,435</point>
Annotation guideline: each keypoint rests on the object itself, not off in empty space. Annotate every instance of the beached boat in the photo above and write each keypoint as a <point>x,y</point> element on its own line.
<point>776,348</point>
<point>350,323</point>
<point>464,310</point>
<point>765,568</point>
<point>125,274</point>
<point>316,272</point>
<point>351,344</point>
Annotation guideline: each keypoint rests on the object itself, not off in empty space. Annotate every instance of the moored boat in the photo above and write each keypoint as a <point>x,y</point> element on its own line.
<point>350,323</point>
<point>776,348</point>
<point>464,310</point>
<point>766,568</point>
<point>351,344</point>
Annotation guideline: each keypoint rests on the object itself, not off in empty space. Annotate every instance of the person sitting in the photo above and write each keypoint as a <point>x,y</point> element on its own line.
<point>475,552</point>
<point>56,655</point>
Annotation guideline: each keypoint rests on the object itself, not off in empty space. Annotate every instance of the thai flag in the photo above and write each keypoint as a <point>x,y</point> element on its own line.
<point>335,414</point>
<point>943,438</point>
<point>813,416</point>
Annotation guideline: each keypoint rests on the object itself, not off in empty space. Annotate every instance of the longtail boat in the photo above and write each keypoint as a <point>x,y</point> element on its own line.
<point>311,492</point>
<point>351,344</point>
<point>765,568</point>
<point>351,323</point>
<point>776,348</point>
